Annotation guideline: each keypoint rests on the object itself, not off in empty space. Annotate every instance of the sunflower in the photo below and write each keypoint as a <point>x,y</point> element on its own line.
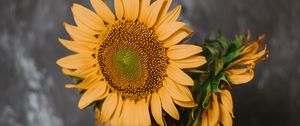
<point>131,60</point>
<point>239,71</point>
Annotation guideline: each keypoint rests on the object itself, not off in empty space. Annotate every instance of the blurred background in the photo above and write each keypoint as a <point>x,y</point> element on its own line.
<point>32,89</point>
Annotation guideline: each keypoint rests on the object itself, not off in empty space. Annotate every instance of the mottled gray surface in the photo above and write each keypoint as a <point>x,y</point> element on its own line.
<point>32,89</point>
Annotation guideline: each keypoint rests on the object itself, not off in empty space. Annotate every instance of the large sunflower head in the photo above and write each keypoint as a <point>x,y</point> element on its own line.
<point>131,60</point>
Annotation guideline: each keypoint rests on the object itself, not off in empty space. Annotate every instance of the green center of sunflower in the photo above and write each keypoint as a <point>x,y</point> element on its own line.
<point>126,62</point>
<point>132,59</point>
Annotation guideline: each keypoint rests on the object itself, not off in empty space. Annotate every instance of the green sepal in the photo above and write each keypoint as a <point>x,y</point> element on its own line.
<point>76,80</point>
<point>98,104</point>
<point>236,44</point>
<point>213,53</point>
<point>224,43</point>
<point>193,114</point>
<point>224,78</point>
<point>232,55</point>
<point>215,83</point>
<point>207,91</point>
<point>194,71</point>
<point>196,122</point>
<point>219,64</point>
<point>234,49</point>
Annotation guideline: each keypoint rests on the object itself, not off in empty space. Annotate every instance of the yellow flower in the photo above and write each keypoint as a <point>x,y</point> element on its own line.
<point>220,111</point>
<point>131,60</point>
<point>240,71</point>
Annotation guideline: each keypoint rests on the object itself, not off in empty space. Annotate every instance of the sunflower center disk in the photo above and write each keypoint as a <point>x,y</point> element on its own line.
<point>132,59</point>
<point>127,63</point>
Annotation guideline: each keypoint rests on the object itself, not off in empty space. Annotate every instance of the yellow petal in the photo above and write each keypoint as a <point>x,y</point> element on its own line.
<point>76,61</point>
<point>166,30</point>
<point>189,104</point>
<point>225,117</point>
<point>183,51</point>
<point>144,6</point>
<point>167,103</point>
<point>67,71</point>
<point>79,35</point>
<point>214,111</point>
<point>190,62</point>
<point>249,59</point>
<point>156,108</point>
<point>85,83</point>
<point>85,28</point>
<point>115,121</point>
<point>227,102</point>
<point>176,38</point>
<point>88,17</point>
<point>204,121</point>
<point>178,75</point>
<point>128,113</point>
<point>170,17</point>
<point>91,95</point>
<point>75,47</point>
<point>240,78</point>
<point>259,55</point>
<point>237,71</point>
<point>85,72</point>
<point>131,9</point>
<point>153,13</point>
<point>105,94</point>
<point>143,112</point>
<point>185,90</point>
<point>250,49</point>
<point>119,10</point>
<point>174,91</point>
<point>109,106</point>
<point>164,9</point>
<point>89,45</point>
<point>103,11</point>
<point>98,115</point>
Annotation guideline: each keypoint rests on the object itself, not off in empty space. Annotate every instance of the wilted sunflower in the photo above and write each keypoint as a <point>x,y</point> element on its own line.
<point>240,71</point>
<point>131,60</point>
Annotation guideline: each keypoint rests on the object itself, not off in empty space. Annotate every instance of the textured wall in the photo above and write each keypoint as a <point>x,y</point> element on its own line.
<point>32,89</point>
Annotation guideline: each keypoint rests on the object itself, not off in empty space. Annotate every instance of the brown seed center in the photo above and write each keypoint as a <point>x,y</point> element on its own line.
<point>132,59</point>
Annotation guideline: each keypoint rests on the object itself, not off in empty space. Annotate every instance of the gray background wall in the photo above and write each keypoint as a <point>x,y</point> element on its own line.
<point>32,89</point>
